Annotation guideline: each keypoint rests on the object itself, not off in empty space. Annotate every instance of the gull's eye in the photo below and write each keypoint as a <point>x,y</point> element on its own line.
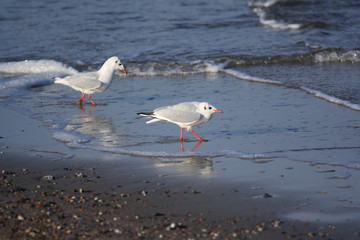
<point>210,108</point>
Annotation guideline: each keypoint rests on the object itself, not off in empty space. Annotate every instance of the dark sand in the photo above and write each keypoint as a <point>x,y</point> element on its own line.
<point>52,195</point>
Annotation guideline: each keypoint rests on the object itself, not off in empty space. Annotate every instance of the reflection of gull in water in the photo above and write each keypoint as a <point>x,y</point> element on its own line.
<point>199,165</point>
<point>192,150</point>
<point>98,126</point>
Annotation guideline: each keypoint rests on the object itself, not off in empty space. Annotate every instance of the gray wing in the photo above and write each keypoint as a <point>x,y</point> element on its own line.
<point>82,81</point>
<point>177,116</point>
<point>185,106</point>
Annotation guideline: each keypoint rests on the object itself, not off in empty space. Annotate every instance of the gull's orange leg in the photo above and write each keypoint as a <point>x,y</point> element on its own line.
<point>198,138</point>
<point>92,102</point>
<point>82,98</point>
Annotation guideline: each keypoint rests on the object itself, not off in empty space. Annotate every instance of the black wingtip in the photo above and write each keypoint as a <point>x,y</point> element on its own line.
<point>145,113</point>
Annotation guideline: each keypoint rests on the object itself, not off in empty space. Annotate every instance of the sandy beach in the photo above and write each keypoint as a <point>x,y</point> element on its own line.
<point>51,191</point>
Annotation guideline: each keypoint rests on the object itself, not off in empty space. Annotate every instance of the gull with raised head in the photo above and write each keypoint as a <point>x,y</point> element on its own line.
<point>93,82</point>
<point>185,115</point>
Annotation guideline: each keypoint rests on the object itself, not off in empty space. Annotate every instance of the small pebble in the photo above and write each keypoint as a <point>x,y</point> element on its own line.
<point>172,226</point>
<point>48,178</point>
<point>267,195</point>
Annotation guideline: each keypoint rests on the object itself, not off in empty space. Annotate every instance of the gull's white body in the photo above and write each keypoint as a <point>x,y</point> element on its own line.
<point>87,83</point>
<point>93,82</point>
<point>185,115</point>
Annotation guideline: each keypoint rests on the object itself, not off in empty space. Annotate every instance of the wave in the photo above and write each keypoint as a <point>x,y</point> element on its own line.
<point>331,99</point>
<point>316,93</point>
<point>303,14</point>
<point>250,78</point>
<point>164,154</point>
<point>225,66</point>
<point>42,72</point>
<point>174,68</point>
<point>262,3</point>
<point>260,8</point>
<point>275,24</point>
<point>328,55</point>
<point>35,66</point>
<point>30,73</point>
<point>352,56</point>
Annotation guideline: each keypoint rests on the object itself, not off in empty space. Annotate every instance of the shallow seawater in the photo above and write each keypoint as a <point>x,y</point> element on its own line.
<point>274,138</point>
<point>259,120</point>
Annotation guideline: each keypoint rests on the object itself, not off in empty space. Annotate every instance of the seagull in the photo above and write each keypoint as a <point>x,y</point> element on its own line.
<point>93,82</point>
<point>185,115</point>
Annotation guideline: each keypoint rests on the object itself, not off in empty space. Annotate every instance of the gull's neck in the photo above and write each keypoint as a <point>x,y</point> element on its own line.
<point>106,73</point>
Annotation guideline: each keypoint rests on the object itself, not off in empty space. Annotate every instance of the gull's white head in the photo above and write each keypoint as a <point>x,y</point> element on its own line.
<point>115,63</point>
<point>207,109</point>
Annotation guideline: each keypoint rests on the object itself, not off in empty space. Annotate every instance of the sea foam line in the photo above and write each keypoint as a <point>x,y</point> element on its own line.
<point>316,93</point>
<point>42,72</point>
<point>35,66</point>
<point>331,99</point>
<point>262,3</point>
<point>158,69</point>
<point>250,78</point>
<point>224,153</point>
<point>258,8</point>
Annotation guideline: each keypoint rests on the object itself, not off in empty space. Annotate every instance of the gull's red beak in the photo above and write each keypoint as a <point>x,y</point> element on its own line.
<point>124,70</point>
<point>218,110</point>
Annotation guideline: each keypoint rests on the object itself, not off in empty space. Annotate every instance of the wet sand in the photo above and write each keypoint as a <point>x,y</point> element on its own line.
<point>75,194</point>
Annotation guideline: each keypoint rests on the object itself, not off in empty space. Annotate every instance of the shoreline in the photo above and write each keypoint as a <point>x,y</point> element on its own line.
<point>82,197</point>
<point>70,201</point>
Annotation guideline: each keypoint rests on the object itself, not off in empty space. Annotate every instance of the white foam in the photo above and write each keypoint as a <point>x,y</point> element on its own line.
<point>273,23</point>
<point>331,99</point>
<point>250,78</point>
<point>30,73</point>
<point>350,56</point>
<point>35,66</point>
<point>171,155</point>
<point>259,9</point>
<point>195,67</point>
<point>262,3</point>
<point>278,25</point>
<point>71,136</point>
<point>28,81</point>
